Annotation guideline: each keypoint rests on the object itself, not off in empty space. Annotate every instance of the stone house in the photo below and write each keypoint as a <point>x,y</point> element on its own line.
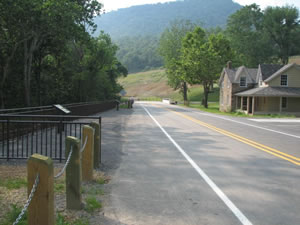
<point>269,89</point>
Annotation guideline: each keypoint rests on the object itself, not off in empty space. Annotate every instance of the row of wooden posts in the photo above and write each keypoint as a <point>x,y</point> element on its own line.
<point>80,168</point>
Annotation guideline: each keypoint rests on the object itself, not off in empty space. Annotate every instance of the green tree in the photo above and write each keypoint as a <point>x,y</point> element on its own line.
<point>282,26</point>
<point>10,40</point>
<point>45,43</point>
<point>247,36</point>
<point>45,19</point>
<point>203,58</point>
<point>170,47</point>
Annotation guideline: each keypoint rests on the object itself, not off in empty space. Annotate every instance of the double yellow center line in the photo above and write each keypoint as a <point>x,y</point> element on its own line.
<point>254,144</point>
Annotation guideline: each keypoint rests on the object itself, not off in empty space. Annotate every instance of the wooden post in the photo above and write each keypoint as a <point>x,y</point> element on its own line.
<point>97,144</point>
<point>88,153</point>
<point>41,208</point>
<point>248,104</point>
<point>253,105</point>
<point>242,107</point>
<point>73,174</point>
<point>280,105</point>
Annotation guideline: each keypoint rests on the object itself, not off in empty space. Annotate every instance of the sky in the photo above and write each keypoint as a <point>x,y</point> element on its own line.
<point>117,4</point>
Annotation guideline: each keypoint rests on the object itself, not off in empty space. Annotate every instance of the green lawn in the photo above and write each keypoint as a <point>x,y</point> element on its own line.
<point>213,107</point>
<point>153,86</point>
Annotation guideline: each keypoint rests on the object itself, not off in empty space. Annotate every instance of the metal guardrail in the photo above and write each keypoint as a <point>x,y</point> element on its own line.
<point>75,107</point>
<point>22,136</point>
<point>25,131</point>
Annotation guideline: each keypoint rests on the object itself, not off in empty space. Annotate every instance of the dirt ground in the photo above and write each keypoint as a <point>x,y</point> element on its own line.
<point>13,170</point>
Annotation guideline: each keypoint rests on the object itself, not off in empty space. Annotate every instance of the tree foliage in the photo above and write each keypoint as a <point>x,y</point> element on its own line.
<point>203,58</point>
<point>170,47</point>
<point>47,53</point>
<point>264,36</point>
<point>139,53</point>
<point>153,19</point>
<point>282,26</point>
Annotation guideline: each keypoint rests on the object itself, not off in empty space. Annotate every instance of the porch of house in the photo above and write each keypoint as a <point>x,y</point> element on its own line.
<point>257,105</point>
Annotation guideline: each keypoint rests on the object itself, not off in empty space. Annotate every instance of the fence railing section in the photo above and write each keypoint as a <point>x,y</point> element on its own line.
<point>22,136</point>
<point>83,109</point>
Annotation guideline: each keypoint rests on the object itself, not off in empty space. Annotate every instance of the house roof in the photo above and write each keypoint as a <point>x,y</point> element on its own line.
<point>267,70</point>
<point>271,92</point>
<point>280,71</point>
<point>235,74</point>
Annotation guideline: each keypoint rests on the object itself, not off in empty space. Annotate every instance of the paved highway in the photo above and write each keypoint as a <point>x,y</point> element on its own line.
<point>183,166</point>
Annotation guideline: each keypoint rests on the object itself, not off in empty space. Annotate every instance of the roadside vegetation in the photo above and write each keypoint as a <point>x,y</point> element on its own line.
<point>213,107</point>
<point>13,195</point>
<point>48,56</point>
<point>153,86</point>
<point>195,56</point>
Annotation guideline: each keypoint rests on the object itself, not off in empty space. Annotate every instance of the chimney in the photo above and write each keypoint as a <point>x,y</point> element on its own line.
<point>229,65</point>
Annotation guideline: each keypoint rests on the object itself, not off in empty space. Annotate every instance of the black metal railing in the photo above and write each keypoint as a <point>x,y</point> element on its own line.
<point>24,135</point>
<point>82,108</point>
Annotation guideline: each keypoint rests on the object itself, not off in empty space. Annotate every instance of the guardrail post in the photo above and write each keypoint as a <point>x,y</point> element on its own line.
<point>88,153</point>
<point>41,208</point>
<point>97,146</point>
<point>73,174</point>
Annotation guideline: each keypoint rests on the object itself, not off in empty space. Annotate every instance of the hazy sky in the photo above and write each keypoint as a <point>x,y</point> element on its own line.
<point>116,4</point>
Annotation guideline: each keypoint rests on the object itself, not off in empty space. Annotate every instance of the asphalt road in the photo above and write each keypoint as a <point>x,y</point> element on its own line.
<point>182,166</point>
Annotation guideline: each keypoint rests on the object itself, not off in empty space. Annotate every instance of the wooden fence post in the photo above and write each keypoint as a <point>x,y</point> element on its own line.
<point>97,144</point>
<point>41,208</point>
<point>88,153</point>
<point>73,174</point>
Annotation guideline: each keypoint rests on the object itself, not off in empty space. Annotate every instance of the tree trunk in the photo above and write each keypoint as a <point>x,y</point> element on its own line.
<point>205,95</point>
<point>38,79</point>
<point>28,58</point>
<point>185,92</point>
<point>5,74</point>
<point>2,98</point>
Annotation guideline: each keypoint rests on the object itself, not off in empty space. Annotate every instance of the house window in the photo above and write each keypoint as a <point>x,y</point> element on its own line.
<point>243,82</point>
<point>284,102</point>
<point>284,80</point>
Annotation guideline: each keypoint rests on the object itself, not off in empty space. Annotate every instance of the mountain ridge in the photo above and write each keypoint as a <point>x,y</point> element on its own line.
<point>152,19</point>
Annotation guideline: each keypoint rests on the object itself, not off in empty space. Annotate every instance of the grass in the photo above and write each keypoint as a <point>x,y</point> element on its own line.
<point>95,191</point>
<point>92,204</point>
<point>61,220</point>
<point>151,98</point>
<point>295,59</point>
<point>101,180</point>
<point>59,187</point>
<point>13,183</point>
<point>153,76</point>
<point>12,215</point>
<point>213,107</point>
<point>150,85</point>
<point>153,86</point>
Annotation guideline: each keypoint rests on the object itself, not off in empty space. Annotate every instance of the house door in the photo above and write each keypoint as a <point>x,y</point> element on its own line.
<point>250,105</point>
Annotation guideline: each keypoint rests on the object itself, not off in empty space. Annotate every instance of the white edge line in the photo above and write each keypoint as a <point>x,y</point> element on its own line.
<point>243,219</point>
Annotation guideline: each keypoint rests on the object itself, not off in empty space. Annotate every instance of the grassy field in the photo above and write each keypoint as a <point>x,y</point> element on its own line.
<point>152,85</point>
<point>295,59</point>
<point>213,107</point>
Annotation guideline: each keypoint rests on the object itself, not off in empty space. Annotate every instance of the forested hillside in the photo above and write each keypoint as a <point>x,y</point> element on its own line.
<point>152,19</point>
<point>136,30</point>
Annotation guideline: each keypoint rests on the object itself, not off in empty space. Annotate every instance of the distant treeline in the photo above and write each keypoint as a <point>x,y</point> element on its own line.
<point>48,56</point>
<point>152,19</point>
<point>256,35</point>
<point>193,55</point>
<point>137,29</point>
<point>139,53</point>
